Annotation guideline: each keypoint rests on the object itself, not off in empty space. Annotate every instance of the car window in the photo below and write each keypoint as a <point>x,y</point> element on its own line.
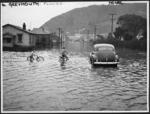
<point>105,49</point>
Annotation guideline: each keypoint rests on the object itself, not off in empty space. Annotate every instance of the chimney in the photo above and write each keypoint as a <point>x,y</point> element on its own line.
<point>24,26</point>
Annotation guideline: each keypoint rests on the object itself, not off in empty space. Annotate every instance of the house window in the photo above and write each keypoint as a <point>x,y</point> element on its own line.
<point>7,40</point>
<point>30,39</point>
<point>19,38</point>
<point>33,39</point>
<point>4,40</point>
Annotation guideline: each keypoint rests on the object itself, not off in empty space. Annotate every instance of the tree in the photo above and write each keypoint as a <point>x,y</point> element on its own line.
<point>129,26</point>
<point>100,37</point>
<point>118,33</point>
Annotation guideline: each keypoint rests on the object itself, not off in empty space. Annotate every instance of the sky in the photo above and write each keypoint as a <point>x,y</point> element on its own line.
<point>35,16</point>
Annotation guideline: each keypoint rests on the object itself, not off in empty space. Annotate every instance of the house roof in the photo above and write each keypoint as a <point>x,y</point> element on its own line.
<point>40,31</point>
<point>19,28</point>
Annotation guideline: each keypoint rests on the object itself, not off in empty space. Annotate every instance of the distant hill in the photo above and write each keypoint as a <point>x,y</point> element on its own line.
<point>83,19</point>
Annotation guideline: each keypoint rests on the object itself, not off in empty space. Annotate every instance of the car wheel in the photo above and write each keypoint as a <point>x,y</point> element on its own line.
<point>92,61</point>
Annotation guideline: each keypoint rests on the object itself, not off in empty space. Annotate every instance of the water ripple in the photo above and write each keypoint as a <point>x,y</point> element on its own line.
<point>46,86</point>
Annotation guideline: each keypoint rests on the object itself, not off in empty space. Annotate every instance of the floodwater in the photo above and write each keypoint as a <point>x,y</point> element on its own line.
<point>45,86</point>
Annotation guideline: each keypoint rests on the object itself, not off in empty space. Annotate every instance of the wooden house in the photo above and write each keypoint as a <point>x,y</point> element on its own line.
<point>15,35</point>
<point>19,36</point>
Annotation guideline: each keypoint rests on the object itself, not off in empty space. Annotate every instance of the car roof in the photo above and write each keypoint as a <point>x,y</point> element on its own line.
<point>99,45</point>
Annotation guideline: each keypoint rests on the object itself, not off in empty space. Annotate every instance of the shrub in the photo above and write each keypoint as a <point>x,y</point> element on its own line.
<point>132,44</point>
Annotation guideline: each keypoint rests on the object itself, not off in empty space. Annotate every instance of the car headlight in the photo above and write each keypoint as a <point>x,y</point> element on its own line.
<point>117,58</point>
<point>94,57</point>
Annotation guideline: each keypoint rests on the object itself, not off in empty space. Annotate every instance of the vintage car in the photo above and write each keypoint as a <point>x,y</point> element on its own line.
<point>104,54</point>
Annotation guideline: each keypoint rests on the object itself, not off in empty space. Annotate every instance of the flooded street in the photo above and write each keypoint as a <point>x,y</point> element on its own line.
<point>45,86</point>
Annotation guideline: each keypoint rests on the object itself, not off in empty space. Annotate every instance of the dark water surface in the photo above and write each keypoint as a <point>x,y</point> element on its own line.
<point>45,86</point>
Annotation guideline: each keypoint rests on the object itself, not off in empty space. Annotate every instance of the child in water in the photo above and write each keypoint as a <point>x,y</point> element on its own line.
<point>64,53</point>
<point>31,57</point>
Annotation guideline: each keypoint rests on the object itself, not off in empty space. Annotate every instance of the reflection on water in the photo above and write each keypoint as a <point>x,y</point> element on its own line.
<point>45,86</point>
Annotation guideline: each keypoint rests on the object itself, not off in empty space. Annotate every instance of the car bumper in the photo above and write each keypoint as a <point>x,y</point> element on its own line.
<point>106,63</point>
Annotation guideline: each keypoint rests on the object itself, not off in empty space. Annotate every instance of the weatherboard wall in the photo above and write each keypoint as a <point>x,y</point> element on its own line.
<point>14,31</point>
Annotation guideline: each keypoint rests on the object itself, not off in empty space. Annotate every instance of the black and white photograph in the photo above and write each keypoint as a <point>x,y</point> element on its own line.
<point>78,56</point>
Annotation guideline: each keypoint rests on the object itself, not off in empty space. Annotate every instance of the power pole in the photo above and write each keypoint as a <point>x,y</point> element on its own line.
<point>95,32</point>
<point>59,32</point>
<point>61,38</point>
<point>112,19</point>
<point>88,34</point>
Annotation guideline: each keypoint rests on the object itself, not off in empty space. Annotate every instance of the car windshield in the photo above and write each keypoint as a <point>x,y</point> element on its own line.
<point>106,48</point>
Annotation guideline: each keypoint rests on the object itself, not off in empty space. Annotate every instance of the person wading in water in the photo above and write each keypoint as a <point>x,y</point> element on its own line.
<point>64,54</point>
<point>31,57</point>
<point>63,57</point>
